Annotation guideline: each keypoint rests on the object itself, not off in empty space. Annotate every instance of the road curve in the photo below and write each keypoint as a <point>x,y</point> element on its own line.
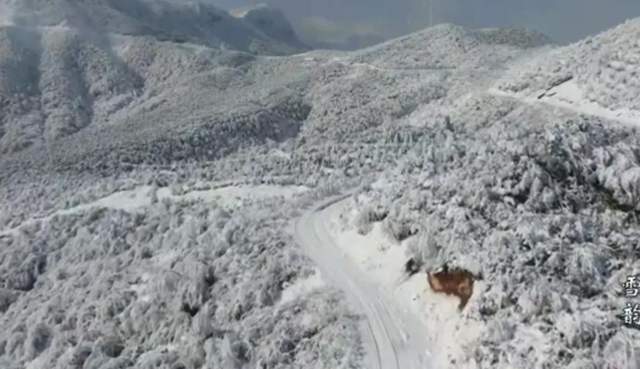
<point>391,338</point>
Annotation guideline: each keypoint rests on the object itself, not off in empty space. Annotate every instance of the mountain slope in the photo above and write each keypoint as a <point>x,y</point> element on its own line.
<point>193,22</point>
<point>604,68</point>
<point>70,64</point>
<point>147,220</point>
<point>272,22</point>
<point>70,83</point>
<point>121,95</point>
<point>450,46</point>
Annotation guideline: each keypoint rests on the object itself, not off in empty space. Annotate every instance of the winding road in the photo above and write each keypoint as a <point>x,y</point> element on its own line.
<point>393,338</point>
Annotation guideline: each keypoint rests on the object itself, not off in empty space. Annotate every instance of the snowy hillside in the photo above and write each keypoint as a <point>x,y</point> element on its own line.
<point>55,83</point>
<point>177,21</point>
<point>129,87</point>
<point>604,70</point>
<point>69,65</point>
<point>449,46</point>
<point>170,204</point>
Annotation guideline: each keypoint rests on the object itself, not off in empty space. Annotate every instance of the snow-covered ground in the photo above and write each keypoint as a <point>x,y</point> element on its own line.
<point>121,248</point>
<point>410,326</point>
<point>396,338</point>
<point>302,287</point>
<point>597,76</point>
<point>195,288</point>
<point>139,198</point>
<point>568,95</point>
<point>388,342</point>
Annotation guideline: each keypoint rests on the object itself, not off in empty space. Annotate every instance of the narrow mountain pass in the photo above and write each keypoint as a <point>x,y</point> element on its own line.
<point>392,337</point>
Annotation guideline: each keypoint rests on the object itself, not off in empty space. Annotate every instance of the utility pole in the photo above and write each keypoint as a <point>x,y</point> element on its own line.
<point>430,13</point>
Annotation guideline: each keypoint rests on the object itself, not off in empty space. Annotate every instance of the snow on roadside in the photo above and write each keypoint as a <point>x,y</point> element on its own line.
<point>232,196</point>
<point>450,334</point>
<point>302,287</point>
<point>128,201</point>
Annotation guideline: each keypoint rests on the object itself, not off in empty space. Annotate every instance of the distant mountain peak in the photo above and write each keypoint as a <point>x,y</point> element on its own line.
<point>192,21</point>
<point>270,21</point>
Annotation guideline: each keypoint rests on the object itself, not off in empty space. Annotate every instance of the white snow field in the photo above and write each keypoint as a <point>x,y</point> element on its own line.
<point>141,197</point>
<point>407,326</point>
<point>568,95</point>
<point>597,76</point>
<point>432,319</point>
<point>394,338</point>
<point>150,174</point>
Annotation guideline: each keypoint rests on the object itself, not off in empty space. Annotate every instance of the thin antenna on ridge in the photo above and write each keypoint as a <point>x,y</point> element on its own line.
<point>430,13</point>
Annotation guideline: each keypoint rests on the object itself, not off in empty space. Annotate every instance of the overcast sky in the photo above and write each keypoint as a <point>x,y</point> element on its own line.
<point>563,20</point>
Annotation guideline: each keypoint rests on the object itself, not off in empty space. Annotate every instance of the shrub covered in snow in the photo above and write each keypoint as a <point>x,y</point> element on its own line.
<point>178,284</point>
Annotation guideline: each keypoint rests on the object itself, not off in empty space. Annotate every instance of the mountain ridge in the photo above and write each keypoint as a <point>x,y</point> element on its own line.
<point>192,21</point>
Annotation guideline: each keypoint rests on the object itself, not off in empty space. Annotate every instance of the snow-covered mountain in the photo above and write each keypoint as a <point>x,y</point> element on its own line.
<point>70,65</point>
<point>151,192</point>
<point>602,69</point>
<point>271,21</point>
<point>128,87</point>
<point>177,21</point>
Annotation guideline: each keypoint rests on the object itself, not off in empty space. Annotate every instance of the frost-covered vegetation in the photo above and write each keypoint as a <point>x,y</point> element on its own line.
<point>545,211</point>
<point>605,67</point>
<point>176,21</point>
<point>542,203</point>
<point>178,284</point>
